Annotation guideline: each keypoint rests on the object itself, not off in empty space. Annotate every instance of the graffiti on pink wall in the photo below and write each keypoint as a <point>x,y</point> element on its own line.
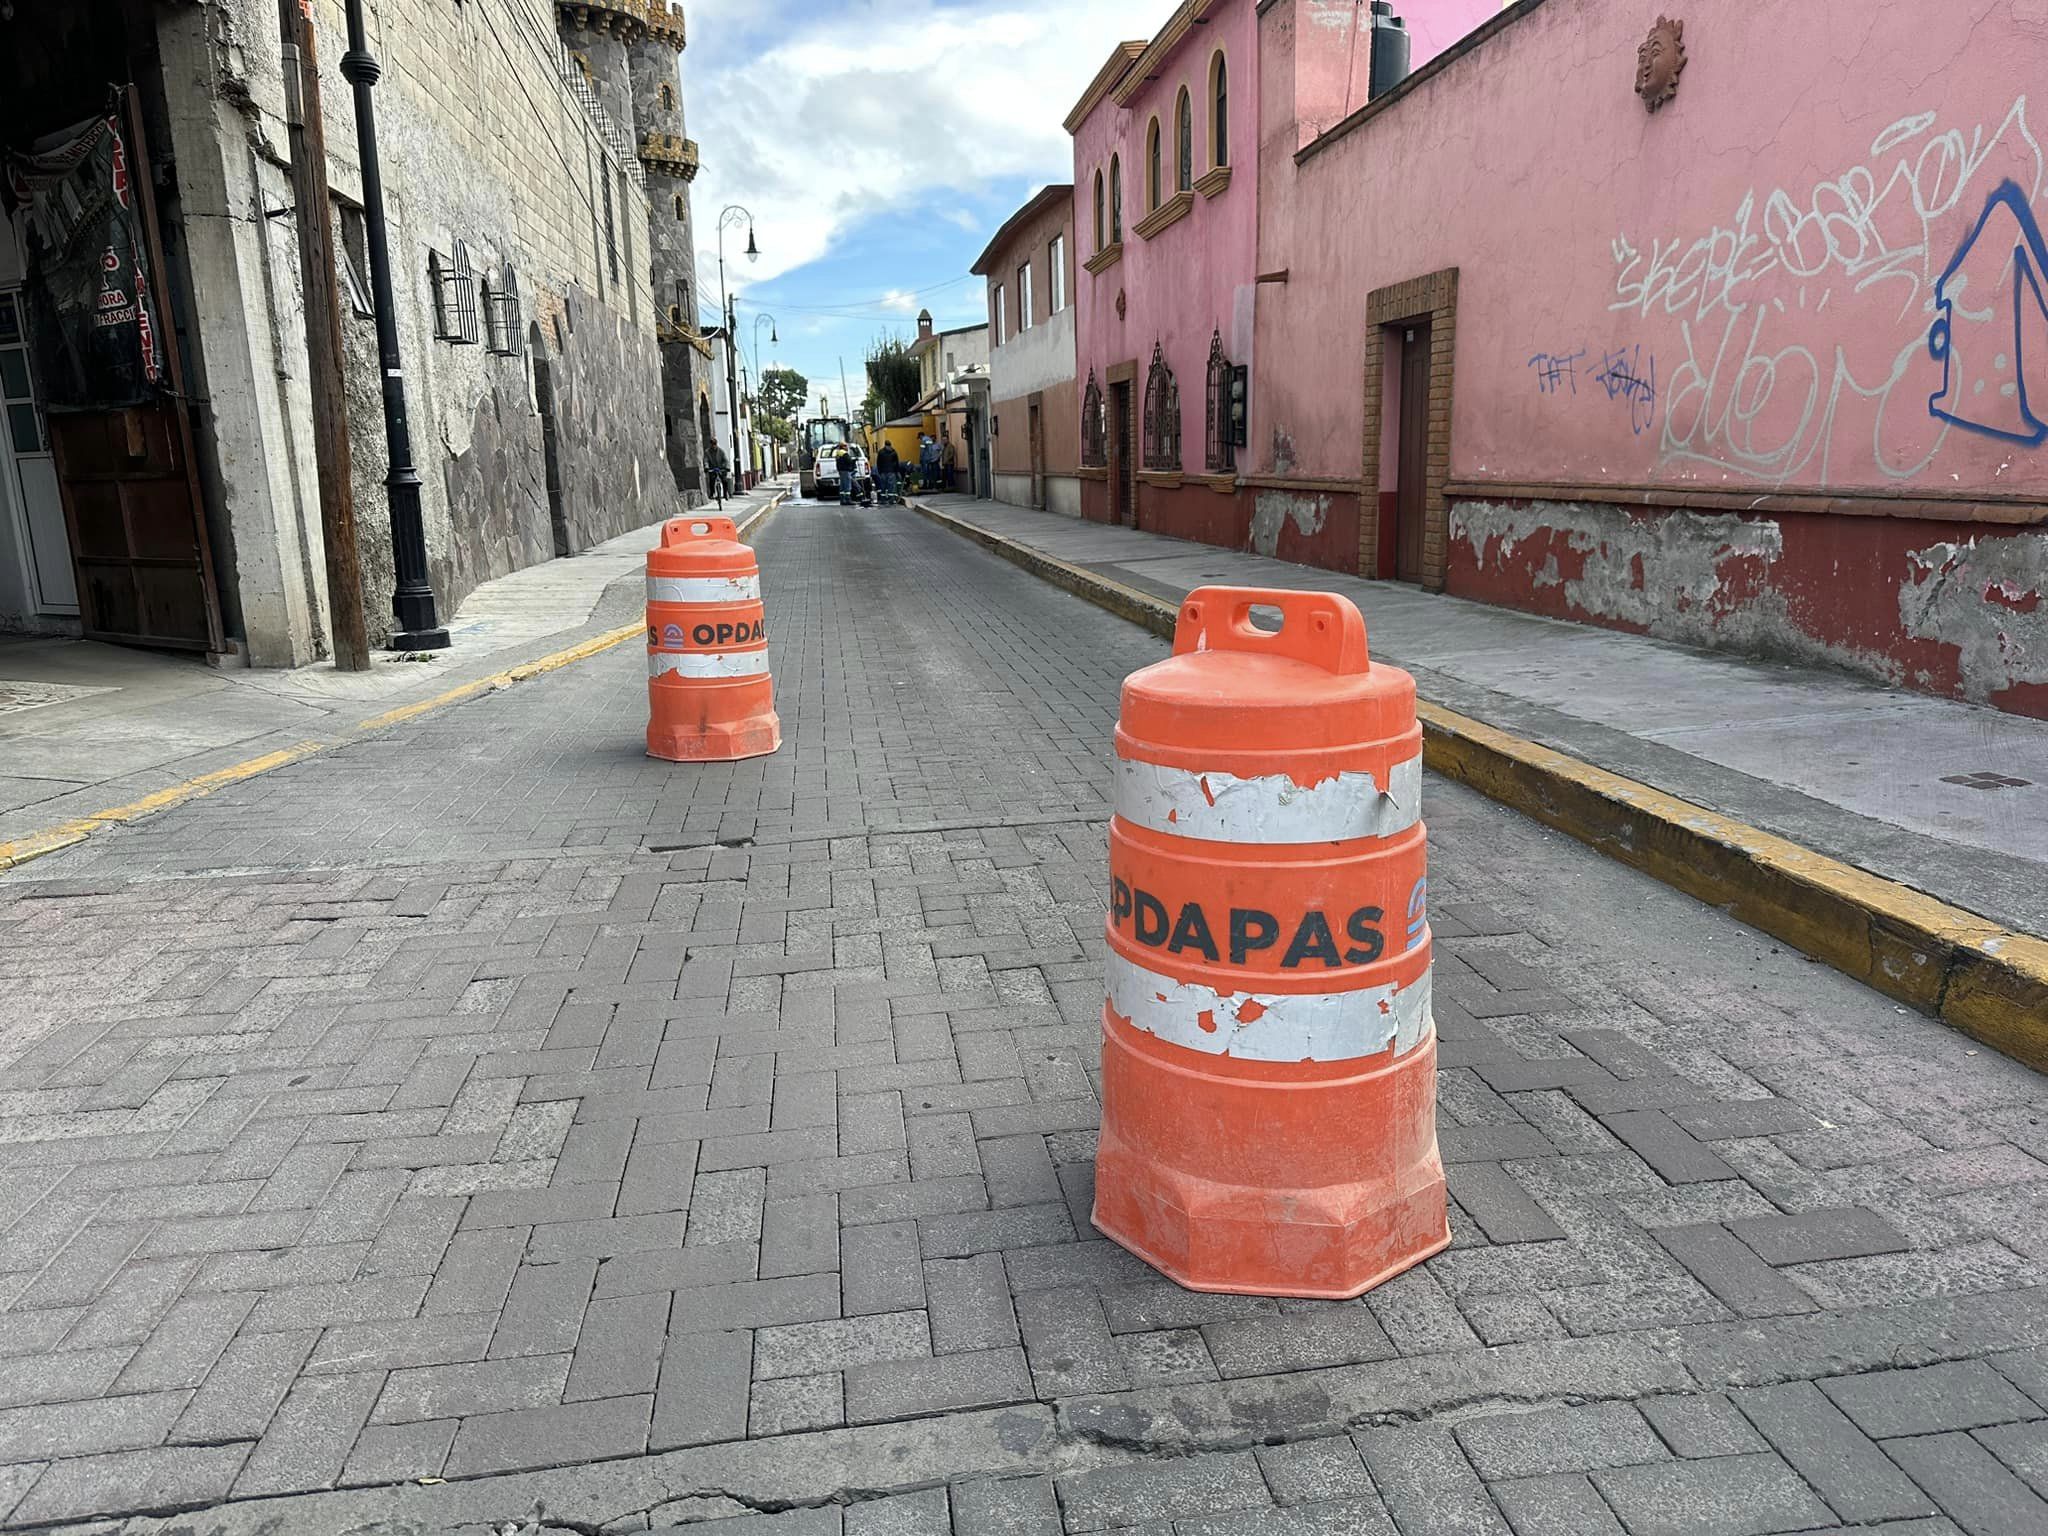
<point>1820,331</point>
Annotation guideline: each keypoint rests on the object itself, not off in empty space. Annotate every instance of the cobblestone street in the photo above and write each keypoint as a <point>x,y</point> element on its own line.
<point>482,1122</point>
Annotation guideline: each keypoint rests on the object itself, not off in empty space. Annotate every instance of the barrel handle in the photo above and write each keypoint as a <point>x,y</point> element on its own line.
<point>1323,629</point>
<point>682,530</point>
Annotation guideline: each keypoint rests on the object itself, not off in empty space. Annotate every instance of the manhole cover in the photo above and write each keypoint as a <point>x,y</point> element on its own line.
<point>1986,781</point>
<point>17,696</point>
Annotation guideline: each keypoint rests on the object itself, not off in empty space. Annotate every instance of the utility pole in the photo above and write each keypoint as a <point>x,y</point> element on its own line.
<point>845,400</point>
<point>732,388</point>
<point>412,597</point>
<point>315,220</point>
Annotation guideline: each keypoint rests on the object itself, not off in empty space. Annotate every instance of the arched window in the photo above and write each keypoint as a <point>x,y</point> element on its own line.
<point>1219,110</point>
<point>680,213</point>
<point>675,316</point>
<point>668,95</point>
<point>1116,200</point>
<point>1152,165</point>
<point>1162,415</point>
<point>1220,454</point>
<point>1098,210</point>
<point>1183,142</point>
<point>1094,426</point>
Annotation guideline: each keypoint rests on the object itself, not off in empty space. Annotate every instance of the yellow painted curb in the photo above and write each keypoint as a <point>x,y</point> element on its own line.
<point>21,850</point>
<point>36,844</point>
<point>1966,970</point>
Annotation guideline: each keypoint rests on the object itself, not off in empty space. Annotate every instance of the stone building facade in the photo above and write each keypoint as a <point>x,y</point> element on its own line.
<point>534,254</point>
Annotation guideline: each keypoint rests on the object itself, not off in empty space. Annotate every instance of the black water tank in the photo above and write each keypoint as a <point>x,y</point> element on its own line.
<point>1389,49</point>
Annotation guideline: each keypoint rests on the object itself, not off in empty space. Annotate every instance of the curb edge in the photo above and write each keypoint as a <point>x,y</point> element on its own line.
<point>34,845</point>
<point>1971,973</point>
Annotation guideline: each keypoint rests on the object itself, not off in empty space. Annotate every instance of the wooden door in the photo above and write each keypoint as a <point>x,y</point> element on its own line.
<point>137,539</point>
<point>1412,497</point>
<point>131,489</point>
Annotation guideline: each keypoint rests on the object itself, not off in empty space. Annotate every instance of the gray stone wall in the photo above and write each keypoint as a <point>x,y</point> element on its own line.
<point>483,140</point>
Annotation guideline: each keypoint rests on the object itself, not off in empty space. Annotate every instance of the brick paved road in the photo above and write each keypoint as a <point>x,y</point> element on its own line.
<point>483,1098</point>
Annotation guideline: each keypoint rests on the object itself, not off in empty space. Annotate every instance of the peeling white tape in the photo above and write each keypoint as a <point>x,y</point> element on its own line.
<point>708,663</point>
<point>1268,808</point>
<point>702,589</point>
<point>1282,1026</point>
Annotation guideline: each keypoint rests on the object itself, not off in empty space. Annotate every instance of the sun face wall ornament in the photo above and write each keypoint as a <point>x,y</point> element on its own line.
<point>1659,62</point>
<point>1120,303</point>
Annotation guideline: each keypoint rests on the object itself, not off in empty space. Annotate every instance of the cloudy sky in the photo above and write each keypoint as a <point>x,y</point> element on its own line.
<point>878,146</point>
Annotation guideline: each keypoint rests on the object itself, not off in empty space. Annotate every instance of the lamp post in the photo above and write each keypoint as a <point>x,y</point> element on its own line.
<point>419,628</point>
<point>732,214</point>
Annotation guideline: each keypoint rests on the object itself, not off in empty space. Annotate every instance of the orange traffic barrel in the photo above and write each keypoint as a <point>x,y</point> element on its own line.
<point>709,696</point>
<point>1268,1055</point>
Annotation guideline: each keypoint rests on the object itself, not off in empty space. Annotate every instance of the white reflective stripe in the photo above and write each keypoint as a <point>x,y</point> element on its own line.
<point>1285,1026</point>
<point>708,663</point>
<point>1270,808</point>
<point>702,589</point>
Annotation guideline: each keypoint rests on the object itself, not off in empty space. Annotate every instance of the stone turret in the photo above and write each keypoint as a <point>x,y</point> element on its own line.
<point>629,49</point>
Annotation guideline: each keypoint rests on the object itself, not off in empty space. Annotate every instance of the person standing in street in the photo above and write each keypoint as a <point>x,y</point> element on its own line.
<point>928,463</point>
<point>843,459</point>
<point>886,465</point>
<point>952,464</point>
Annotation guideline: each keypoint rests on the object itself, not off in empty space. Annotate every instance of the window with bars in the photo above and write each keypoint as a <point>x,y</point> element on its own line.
<point>1184,143</point>
<point>1162,414</point>
<point>1220,452</point>
<point>454,285</point>
<point>1094,426</point>
<point>501,315</point>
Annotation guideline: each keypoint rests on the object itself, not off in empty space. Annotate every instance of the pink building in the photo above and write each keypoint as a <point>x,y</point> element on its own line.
<point>1167,148</point>
<point>1598,316</point>
<point>1763,366</point>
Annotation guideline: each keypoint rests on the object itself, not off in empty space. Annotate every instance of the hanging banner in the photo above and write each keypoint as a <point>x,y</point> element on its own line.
<point>92,312</point>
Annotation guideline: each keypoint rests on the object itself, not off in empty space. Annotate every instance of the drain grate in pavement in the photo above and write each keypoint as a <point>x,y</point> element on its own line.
<point>1986,781</point>
<point>18,696</point>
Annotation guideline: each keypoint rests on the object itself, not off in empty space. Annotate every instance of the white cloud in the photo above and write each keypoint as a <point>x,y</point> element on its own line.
<point>897,302</point>
<point>838,110</point>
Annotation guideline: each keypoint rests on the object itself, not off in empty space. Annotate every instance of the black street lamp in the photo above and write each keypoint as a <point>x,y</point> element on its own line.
<point>731,214</point>
<point>412,598</point>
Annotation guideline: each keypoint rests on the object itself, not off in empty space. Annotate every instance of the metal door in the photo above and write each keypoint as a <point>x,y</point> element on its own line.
<point>1037,456</point>
<point>31,467</point>
<point>1123,469</point>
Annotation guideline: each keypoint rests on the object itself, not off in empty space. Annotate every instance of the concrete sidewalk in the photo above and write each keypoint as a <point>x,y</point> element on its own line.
<point>1879,778</point>
<point>85,726</point>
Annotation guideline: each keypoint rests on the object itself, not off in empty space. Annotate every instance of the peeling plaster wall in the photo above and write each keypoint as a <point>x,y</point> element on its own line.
<point>1904,602</point>
<point>1987,597</point>
<point>1275,511</point>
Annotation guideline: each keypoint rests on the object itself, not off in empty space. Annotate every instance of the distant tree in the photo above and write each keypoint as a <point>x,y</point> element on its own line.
<point>892,375</point>
<point>777,402</point>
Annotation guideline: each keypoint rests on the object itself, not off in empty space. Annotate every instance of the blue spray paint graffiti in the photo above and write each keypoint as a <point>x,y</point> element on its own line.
<point>1623,373</point>
<point>1557,371</point>
<point>2008,232</point>
<point>1624,377</point>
